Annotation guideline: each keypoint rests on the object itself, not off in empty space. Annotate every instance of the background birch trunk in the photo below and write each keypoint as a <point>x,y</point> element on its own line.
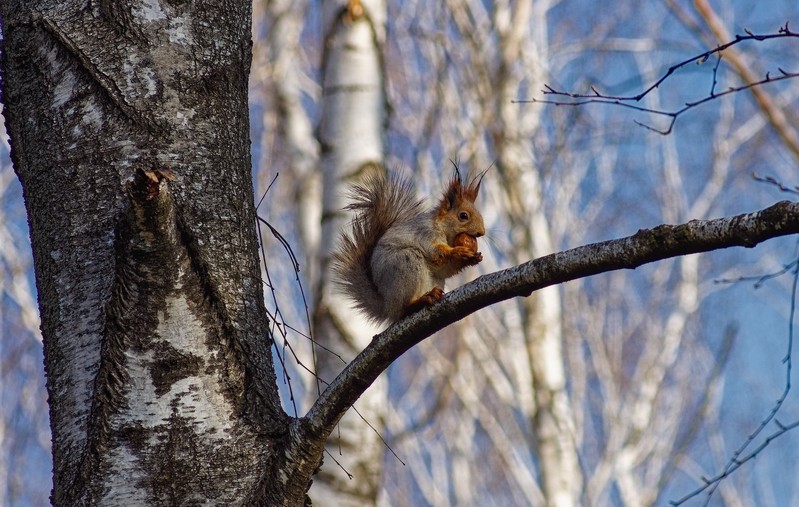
<point>351,136</point>
<point>523,51</point>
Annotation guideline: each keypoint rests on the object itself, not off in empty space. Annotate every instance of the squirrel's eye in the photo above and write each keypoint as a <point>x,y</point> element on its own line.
<point>463,215</point>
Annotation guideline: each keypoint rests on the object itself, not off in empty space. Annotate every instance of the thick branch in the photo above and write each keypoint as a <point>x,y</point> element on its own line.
<point>662,242</point>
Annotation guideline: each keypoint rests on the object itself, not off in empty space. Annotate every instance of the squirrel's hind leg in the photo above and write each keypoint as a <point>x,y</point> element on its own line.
<point>433,296</point>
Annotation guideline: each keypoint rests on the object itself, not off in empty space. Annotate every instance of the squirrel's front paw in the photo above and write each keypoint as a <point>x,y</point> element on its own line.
<point>467,256</point>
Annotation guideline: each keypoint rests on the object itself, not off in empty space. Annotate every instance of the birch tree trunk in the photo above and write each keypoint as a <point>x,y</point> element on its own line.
<point>351,132</point>
<point>522,38</point>
<point>130,137</point>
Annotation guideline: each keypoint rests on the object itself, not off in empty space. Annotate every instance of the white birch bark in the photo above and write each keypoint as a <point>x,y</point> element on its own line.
<point>134,156</point>
<point>351,134</point>
<point>280,79</point>
<point>522,36</point>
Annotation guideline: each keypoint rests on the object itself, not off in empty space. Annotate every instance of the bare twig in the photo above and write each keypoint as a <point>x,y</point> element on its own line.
<point>770,108</point>
<point>596,97</point>
<point>738,458</point>
<point>773,181</point>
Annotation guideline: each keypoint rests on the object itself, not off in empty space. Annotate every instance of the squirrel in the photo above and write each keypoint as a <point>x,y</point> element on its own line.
<point>396,258</point>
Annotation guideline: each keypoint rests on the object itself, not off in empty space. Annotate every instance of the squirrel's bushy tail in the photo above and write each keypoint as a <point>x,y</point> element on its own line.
<point>378,203</point>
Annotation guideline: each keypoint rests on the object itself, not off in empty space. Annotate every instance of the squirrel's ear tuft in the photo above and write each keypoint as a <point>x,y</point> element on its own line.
<point>473,188</point>
<point>459,190</point>
<point>453,194</point>
<point>456,171</point>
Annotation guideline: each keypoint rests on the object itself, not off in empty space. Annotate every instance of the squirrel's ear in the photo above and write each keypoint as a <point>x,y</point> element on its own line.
<point>452,195</point>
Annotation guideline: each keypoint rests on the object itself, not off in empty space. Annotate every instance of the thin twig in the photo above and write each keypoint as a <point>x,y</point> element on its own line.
<point>710,485</point>
<point>596,97</point>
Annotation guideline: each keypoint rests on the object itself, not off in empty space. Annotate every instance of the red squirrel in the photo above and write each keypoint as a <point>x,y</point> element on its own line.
<point>398,255</point>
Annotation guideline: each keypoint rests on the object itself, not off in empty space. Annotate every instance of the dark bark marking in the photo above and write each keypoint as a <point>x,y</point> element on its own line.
<point>171,365</point>
<point>145,273</point>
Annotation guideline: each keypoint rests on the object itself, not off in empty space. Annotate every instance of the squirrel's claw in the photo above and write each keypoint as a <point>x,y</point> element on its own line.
<point>467,256</point>
<point>432,296</point>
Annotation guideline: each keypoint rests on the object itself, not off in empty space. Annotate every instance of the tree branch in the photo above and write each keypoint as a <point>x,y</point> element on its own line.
<point>783,32</point>
<point>772,110</point>
<point>647,245</point>
<point>751,82</point>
